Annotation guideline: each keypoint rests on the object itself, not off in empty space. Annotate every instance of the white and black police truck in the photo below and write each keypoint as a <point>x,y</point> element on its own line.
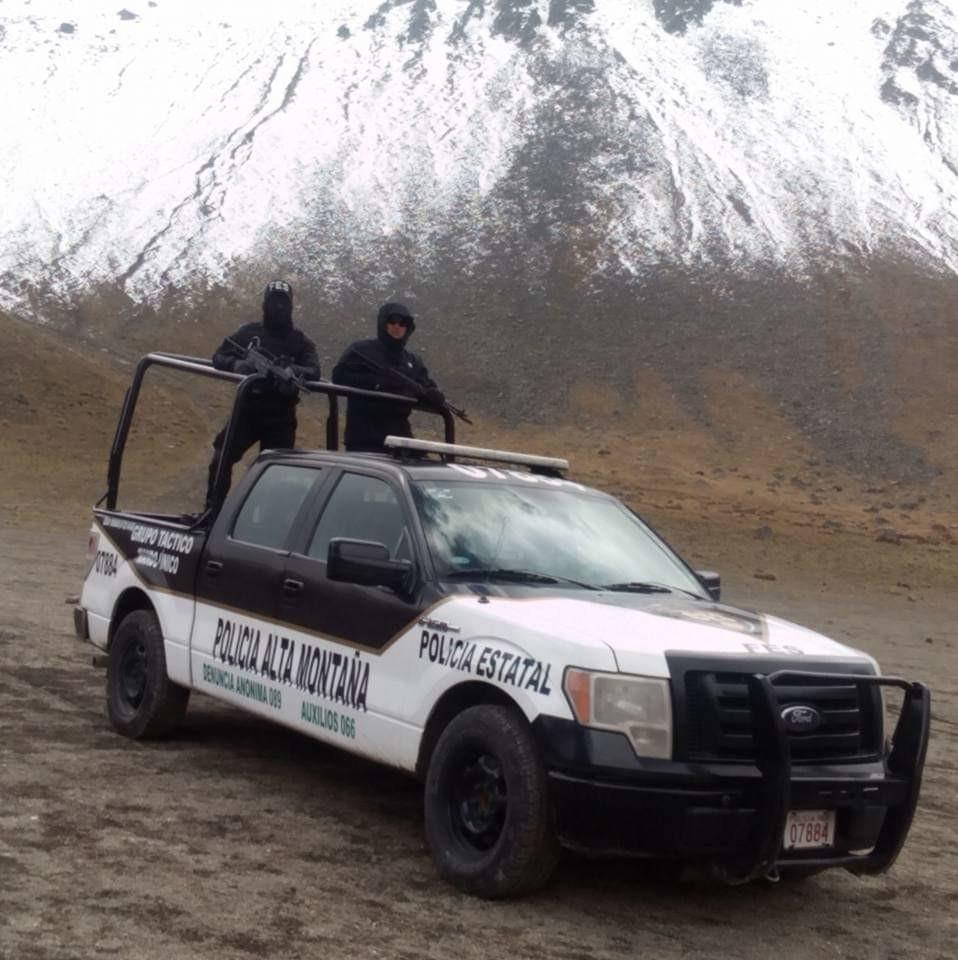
<point>527,645</point>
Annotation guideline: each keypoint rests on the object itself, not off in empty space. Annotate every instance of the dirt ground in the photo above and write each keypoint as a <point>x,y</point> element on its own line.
<point>238,838</point>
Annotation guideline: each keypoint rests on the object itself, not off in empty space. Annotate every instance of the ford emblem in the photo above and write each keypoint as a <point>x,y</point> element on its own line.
<point>801,719</point>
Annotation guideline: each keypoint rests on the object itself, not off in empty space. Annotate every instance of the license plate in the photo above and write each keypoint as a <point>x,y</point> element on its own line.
<point>809,829</point>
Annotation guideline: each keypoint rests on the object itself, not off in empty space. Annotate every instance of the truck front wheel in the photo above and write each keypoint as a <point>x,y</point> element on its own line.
<point>488,813</point>
<point>142,701</point>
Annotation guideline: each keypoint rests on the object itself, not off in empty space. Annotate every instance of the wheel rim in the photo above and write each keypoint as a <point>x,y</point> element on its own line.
<point>133,671</point>
<point>478,801</point>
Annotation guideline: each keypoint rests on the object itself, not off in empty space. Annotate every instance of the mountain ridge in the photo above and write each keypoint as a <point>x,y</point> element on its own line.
<point>687,131</point>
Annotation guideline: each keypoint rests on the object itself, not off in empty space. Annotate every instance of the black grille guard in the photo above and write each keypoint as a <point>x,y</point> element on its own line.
<point>904,763</point>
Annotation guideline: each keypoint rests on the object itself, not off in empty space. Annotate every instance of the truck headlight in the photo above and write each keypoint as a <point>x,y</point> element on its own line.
<point>639,707</point>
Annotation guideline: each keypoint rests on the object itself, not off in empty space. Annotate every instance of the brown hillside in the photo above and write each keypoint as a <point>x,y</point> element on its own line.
<point>737,479</point>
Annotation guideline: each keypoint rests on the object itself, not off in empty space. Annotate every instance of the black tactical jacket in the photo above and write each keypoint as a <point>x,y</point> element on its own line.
<point>380,364</point>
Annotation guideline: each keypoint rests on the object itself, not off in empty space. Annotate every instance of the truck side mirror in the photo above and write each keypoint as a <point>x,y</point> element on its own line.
<point>712,583</point>
<point>368,564</point>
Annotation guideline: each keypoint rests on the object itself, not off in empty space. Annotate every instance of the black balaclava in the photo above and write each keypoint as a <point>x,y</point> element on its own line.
<point>386,311</point>
<point>278,307</point>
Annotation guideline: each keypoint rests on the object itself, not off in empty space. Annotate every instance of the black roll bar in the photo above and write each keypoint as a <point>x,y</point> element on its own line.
<point>204,368</point>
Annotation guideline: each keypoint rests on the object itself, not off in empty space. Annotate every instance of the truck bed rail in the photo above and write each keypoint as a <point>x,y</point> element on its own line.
<point>204,368</point>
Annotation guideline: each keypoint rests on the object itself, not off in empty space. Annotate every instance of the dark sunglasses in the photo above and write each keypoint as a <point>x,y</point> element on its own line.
<point>400,321</point>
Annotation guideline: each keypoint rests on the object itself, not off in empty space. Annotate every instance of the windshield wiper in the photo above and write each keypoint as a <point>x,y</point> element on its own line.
<point>638,586</point>
<point>517,576</point>
<point>645,586</point>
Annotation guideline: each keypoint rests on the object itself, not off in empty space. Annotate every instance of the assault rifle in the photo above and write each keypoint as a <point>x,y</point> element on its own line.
<point>419,391</point>
<point>270,367</point>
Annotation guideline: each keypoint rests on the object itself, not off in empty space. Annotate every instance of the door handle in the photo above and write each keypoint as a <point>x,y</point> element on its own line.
<point>292,587</point>
<point>213,567</point>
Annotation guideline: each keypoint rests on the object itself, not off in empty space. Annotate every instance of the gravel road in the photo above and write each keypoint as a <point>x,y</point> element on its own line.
<point>238,838</point>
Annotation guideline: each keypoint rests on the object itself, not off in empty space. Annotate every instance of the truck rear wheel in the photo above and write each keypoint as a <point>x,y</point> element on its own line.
<point>488,812</point>
<point>142,701</point>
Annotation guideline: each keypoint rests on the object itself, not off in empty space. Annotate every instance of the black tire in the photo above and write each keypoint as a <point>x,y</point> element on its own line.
<point>142,702</point>
<point>489,819</point>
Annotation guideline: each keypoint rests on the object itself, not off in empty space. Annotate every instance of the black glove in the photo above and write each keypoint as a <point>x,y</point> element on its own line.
<point>434,397</point>
<point>282,380</point>
<point>287,388</point>
<point>244,367</point>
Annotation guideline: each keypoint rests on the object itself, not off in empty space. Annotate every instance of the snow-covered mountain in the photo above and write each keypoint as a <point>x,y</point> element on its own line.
<point>164,142</point>
<point>708,162</point>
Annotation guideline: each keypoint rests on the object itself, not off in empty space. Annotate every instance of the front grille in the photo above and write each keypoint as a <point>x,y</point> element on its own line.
<point>720,723</point>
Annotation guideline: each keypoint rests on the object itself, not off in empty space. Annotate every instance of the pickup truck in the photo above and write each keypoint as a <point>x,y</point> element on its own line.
<point>526,645</point>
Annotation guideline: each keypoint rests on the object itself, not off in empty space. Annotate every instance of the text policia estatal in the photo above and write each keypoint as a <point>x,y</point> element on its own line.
<point>323,673</point>
<point>523,673</point>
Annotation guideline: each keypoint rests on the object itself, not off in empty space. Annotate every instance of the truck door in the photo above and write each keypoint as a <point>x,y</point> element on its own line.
<point>241,574</point>
<point>360,507</point>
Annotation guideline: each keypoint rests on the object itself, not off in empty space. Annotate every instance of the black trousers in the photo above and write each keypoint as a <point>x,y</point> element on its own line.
<point>272,432</point>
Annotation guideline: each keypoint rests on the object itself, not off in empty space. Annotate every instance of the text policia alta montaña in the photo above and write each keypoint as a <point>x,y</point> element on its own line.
<point>324,673</point>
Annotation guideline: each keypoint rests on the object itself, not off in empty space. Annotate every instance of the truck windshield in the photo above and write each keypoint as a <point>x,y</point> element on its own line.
<point>534,533</point>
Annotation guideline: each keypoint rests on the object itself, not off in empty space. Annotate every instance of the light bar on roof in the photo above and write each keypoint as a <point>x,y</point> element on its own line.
<point>475,453</point>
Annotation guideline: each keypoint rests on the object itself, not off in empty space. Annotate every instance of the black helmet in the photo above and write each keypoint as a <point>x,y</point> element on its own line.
<point>278,307</point>
<point>282,287</point>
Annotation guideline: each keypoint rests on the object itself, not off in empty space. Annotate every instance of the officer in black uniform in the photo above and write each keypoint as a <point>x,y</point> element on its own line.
<point>385,364</point>
<point>269,414</point>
